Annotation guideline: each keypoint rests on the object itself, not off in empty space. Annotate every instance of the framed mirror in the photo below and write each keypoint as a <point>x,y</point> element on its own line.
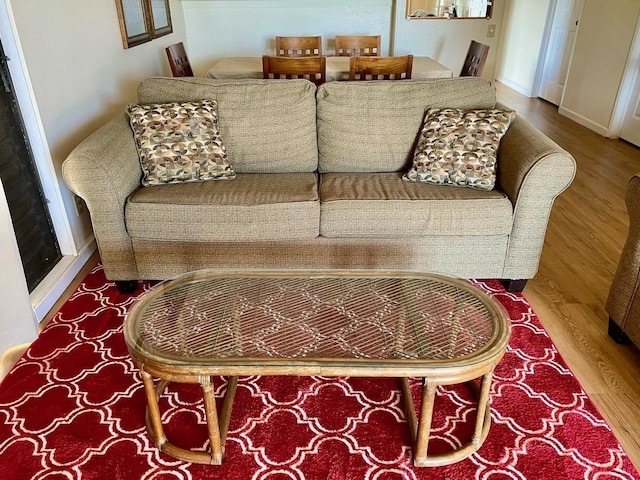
<point>143,20</point>
<point>448,9</point>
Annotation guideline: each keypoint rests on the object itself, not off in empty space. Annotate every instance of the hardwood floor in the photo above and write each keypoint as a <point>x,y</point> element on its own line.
<point>586,233</point>
<point>587,229</point>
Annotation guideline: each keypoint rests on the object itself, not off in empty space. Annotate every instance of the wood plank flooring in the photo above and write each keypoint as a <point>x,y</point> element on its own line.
<point>587,229</point>
<point>586,233</point>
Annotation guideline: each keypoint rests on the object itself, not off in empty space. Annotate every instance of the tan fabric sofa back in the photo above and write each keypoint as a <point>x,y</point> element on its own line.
<point>372,126</point>
<point>270,126</point>
<point>266,126</point>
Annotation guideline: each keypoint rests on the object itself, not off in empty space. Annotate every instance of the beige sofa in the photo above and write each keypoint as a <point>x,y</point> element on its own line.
<point>623,302</point>
<point>319,186</point>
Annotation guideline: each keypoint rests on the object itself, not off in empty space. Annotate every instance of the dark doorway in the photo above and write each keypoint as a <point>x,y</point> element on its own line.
<point>36,237</point>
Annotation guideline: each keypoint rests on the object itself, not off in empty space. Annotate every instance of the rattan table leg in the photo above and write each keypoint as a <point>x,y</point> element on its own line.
<point>483,416</point>
<point>227,405</point>
<point>424,423</point>
<point>154,423</point>
<point>156,430</point>
<point>420,428</point>
<point>211,414</point>
<point>409,408</point>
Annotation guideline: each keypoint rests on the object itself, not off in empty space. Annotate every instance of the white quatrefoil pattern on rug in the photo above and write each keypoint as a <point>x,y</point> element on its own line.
<point>73,408</point>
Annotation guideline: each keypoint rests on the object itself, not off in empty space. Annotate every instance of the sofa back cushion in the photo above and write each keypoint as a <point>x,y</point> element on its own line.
<point>267,126</point>
<point>373,126</point>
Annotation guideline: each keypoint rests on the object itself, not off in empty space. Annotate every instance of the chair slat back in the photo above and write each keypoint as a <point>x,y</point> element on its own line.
<point>178,60</point>
<point>299,46</point>
<point>475,60</point>
<point>381,68</point>
<point>358,45</point>
<point>311,68</point>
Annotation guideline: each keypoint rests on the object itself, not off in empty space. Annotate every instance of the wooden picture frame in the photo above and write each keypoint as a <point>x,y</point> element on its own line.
<point>143,20</point>
<point>134,25</point>
<point>160,17</point>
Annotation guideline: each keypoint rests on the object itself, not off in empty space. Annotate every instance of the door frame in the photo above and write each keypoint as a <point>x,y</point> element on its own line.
<point>544,45</point>
<point>47,293</point>
<point>34,130</point>
<point>625,92</point>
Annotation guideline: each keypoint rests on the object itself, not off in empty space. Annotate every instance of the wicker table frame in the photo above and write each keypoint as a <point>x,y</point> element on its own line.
<point>176,366</point>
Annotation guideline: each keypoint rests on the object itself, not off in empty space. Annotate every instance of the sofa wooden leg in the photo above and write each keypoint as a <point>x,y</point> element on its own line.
<point>515,286</point>
<point>616,332</point>
<point>127,286</point>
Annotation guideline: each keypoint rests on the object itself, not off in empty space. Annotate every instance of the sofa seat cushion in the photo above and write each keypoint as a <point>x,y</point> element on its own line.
<point>252,207</point>
<point>382,205</point>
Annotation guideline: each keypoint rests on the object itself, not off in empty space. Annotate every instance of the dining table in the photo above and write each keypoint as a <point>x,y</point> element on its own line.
<point>337,68</point>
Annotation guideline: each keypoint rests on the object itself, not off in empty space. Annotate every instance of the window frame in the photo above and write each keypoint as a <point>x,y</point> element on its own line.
<point>137,23</point>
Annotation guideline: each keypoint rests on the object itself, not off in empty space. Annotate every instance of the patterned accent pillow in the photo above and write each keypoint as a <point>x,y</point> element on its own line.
<point>459,147</point>
<point>179,142</point>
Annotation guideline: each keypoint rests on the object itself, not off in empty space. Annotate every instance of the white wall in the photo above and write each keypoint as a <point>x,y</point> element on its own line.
<point>603,43</point>
<point>520,42</point>
<point>219,28</point>
<point>79,76</point>
<point>447,41</point>
<point>17,323</point>
<point>602,47</point>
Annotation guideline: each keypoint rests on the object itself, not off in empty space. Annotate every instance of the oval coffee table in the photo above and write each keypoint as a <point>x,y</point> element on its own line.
<point>337,323</point>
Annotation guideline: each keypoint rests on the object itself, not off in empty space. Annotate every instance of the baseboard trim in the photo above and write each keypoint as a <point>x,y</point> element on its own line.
<point>514,86</point>
<point>585,122</point>
<point>49,291</point>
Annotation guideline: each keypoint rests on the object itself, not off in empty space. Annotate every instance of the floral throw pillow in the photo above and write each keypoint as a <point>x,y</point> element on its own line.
<point>179,142</point>
<point>459,147</point>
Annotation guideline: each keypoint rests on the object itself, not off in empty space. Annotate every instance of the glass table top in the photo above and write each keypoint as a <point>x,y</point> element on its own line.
<point>361,317</point>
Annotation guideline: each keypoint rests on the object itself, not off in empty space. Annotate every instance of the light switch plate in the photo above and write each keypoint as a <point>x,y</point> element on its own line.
<point>491,30</point>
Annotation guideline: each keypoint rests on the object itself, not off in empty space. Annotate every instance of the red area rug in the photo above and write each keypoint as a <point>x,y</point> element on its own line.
<point>73,408</point>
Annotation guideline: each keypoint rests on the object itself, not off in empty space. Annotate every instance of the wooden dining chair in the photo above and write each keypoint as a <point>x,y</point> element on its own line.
<point>299,46</point>
<point>178,60</point>
<point>381,68</point>
<point>475,60</point>
<point>358,45</point>
<point>311,68</point>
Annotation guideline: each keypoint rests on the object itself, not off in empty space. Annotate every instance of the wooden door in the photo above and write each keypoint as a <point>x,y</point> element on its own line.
<point>559,48</point>
<point>37,242</point>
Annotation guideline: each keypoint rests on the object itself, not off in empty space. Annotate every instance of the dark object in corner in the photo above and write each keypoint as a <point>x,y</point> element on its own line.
<point>476,58</point>
<point>514,286</point>
<point>127,286</point>
<point>616,333</point>
<point>178,60</point>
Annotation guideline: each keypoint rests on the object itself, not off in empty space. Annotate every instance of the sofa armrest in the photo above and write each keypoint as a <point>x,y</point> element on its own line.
<point>532,170</point>
<point>104,170</point>
<point>623,302</point>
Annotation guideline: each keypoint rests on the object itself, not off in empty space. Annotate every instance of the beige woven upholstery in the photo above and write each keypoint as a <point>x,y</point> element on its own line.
<point>258,137</point>
<point>623,302</point>
<point>382,205</point>
<point>350,123</point>
<point>319,186</point>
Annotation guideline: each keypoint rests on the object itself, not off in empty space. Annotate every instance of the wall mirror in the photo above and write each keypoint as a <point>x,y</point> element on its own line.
<point>448,9</point>
<point>143,20</point>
